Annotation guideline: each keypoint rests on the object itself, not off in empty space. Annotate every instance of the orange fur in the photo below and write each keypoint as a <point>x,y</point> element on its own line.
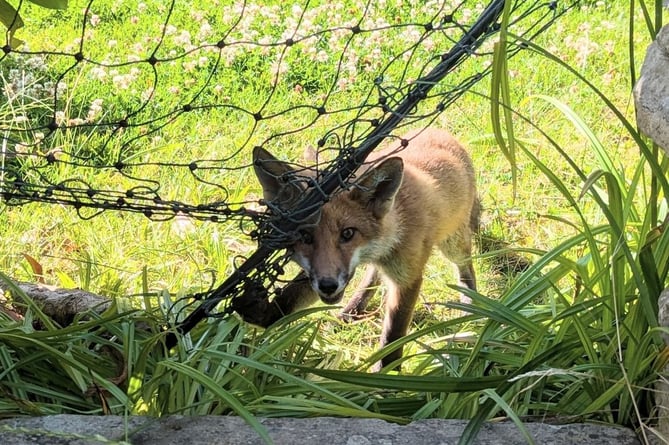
<point>403,203</point>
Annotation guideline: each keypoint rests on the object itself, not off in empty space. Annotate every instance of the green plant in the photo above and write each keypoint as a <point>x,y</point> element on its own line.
<point>575,190</point>
<point>10,17</point>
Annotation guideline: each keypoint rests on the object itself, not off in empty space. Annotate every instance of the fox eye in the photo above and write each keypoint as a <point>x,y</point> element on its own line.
<point>306,237</point>
<point>347,234</point>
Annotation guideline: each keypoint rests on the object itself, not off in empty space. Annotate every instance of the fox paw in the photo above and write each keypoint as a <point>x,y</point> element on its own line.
<point>254,307</point>
<point>351,316</point>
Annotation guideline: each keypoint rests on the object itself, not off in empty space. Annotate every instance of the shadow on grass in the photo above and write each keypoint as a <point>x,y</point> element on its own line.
<point>500,256</point>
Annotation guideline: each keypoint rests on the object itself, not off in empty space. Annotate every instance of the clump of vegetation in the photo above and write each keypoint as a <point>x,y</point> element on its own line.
<point>574,200</point>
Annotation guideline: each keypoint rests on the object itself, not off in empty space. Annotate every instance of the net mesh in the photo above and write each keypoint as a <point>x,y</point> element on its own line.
<point>76,119</point>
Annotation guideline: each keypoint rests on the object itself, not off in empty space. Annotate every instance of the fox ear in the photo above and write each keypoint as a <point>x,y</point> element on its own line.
<point>378,186</point>
<point>274,177</point>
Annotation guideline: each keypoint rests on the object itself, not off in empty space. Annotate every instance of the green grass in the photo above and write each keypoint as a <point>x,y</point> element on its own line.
<point>573,335</point>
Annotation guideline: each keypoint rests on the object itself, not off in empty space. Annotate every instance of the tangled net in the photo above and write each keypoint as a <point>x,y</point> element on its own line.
<point>65,145</point>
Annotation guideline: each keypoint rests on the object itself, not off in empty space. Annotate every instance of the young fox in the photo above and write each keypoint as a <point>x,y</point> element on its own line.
<point>390,218</point>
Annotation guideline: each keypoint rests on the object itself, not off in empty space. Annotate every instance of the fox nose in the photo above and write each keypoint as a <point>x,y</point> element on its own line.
<point>328,286</point>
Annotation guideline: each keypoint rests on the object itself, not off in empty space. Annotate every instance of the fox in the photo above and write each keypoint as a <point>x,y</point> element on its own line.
<point>403,202</point>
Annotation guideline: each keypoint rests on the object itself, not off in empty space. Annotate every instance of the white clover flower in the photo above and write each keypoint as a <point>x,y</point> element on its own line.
<point>205,30</point>
<point>414,35</point>
<point>134,71</point>
<point>230,55</point>
<point>147,93</point>
<point>183,39</point>
<point>59,117</point>
<point>429,45</point>
<point>98,72</point>
<point>322,56</point>
<point>280,67</point>
<point>342,83</point>
<point>95,110</point>
<point>36,63</point>
<point>351,65</point>
<point>308,26</point>
<point>608,77</point>
<point>94,20</point>
<point>310,48</point>
<point>182,225</point>
<point>122,81</point>
<point>265,42</point>
<point>189,66</point>
<point>237,9</point>
<point>372,61</point>
<point>289,33</point>
<point>197,16</point>
<point>608,25</point>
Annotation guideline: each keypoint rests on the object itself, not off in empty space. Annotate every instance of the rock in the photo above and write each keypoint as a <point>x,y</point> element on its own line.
<point>219,430</point>
<point>651,92</point>
<point>62,305</point>
<point>662,385</point>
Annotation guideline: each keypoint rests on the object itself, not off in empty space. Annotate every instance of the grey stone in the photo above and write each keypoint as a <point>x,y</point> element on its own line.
<point>651,92</point>
<point>662,385</point>
<point>220,430</point>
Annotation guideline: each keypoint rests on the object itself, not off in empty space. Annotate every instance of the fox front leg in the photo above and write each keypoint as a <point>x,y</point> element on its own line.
<point>255,307</point>
<point>400,303</point>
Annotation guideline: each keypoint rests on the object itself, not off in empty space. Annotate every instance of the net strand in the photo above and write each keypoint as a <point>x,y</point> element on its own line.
<point>112,142</point>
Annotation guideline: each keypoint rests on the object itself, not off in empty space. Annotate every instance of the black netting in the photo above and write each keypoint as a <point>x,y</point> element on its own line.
<point>411,61</point>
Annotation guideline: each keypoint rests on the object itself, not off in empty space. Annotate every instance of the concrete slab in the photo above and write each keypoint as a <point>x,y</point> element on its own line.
<point>220,430</point>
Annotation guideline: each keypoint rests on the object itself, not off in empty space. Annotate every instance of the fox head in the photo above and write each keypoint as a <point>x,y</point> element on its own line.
<point>350,229</point>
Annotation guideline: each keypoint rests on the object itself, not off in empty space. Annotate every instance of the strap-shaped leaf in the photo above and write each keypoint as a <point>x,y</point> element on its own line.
<point>51,4</point>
